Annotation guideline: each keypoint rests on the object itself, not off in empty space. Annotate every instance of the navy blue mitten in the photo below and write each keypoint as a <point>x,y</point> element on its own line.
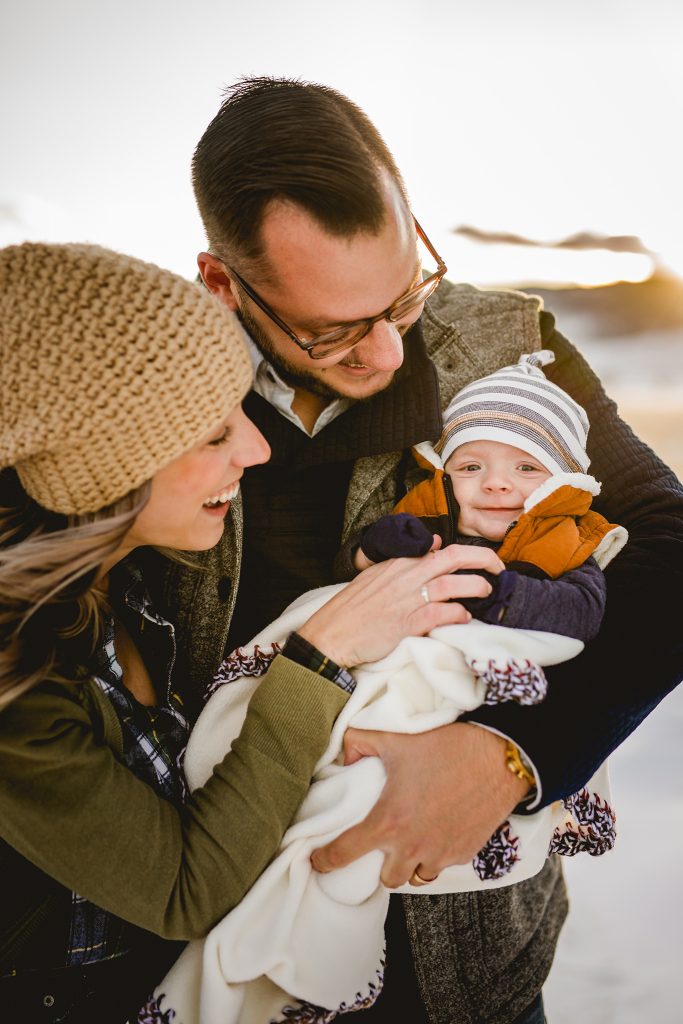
<point>396,536</point>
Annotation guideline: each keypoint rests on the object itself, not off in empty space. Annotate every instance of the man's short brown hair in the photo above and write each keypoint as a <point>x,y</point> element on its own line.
<point>278,138</point>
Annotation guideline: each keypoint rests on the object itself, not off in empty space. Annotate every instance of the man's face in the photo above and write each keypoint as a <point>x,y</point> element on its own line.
<point>321,281</point>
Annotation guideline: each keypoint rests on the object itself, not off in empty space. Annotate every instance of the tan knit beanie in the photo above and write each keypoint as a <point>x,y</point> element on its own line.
<point>110,368</point>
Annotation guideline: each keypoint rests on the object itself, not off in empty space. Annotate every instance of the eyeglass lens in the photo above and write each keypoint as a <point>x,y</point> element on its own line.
<point>346,337</point>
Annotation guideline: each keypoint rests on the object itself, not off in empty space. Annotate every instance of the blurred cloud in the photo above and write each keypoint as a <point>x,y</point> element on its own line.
<point>519,265</point>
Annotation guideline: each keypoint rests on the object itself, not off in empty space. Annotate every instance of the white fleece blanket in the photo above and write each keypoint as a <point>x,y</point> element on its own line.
<point>300,941</point>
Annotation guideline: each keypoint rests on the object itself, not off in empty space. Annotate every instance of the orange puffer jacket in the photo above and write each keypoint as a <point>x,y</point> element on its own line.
<point>557,531</point>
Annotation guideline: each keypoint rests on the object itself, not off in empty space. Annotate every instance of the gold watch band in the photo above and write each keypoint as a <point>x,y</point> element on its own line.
<point>516,764</point>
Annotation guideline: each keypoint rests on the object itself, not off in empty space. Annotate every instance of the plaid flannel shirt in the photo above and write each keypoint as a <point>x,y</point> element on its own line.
<point>154,743</point>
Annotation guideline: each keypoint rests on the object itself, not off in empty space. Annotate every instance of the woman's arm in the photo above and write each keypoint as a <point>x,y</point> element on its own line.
<point>70,807</point>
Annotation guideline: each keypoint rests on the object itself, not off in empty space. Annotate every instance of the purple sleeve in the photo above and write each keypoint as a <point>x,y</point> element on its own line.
<point>572,605</point>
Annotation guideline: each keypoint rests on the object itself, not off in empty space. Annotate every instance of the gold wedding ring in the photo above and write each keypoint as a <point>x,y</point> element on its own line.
<point>424,594</point>
<point>417,879</point>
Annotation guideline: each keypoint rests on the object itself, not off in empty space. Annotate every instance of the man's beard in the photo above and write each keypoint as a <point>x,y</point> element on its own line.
<point>291,375</point>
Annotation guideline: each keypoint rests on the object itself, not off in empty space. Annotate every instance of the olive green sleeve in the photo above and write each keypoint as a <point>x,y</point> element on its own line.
<point>73,809</point>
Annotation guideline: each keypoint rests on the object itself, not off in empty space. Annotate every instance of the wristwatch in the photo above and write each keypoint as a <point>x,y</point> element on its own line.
<point>517,763</point>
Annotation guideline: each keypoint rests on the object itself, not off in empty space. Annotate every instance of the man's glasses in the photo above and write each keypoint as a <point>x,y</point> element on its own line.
<point>347,336</point>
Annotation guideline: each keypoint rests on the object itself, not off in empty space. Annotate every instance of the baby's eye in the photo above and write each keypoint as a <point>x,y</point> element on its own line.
<point>471,467</point>
<point>526,467</point>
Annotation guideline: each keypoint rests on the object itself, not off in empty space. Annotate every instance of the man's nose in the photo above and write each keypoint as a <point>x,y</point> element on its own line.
<point>382,348</point>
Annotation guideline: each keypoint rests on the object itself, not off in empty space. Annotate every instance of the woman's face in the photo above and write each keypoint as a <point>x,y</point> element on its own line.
<point>191,496</point>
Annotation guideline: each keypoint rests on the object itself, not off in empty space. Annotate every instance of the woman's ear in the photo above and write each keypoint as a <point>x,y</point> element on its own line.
<point>217,280</point>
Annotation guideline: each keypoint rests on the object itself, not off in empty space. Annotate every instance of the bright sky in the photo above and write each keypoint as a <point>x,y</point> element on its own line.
<point>537,118</point>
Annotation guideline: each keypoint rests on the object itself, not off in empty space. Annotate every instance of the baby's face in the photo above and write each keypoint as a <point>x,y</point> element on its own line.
<point>491,482</point>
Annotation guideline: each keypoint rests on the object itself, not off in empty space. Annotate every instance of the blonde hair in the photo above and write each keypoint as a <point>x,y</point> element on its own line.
<point>51,610</point>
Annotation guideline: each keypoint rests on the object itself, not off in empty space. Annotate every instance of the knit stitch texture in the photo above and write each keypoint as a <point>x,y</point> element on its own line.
<point>111,368</point>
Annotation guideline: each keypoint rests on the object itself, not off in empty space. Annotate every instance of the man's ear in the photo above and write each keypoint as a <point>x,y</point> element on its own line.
<point>217,280</point>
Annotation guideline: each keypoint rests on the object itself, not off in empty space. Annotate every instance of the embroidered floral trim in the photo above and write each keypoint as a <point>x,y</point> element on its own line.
<point>521,681</point>
<point>595,829</point>
<point>243,662</point>
<point>309,1013</point>
<point>498,856</point>
<point>305,1013</point>
<point>151,1012</point>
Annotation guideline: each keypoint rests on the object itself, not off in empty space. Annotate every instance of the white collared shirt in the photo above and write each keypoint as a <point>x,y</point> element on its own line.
<point>269,385</point>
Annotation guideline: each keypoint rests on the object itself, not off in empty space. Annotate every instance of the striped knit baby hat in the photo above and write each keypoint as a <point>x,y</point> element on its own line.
<point>518,406</point>
<point>111,368</point>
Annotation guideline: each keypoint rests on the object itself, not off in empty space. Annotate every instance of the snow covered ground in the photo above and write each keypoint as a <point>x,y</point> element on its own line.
<point>620,957</point>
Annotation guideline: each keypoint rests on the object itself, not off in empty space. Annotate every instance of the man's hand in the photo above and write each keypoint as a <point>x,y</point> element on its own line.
<point>446,793</point>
